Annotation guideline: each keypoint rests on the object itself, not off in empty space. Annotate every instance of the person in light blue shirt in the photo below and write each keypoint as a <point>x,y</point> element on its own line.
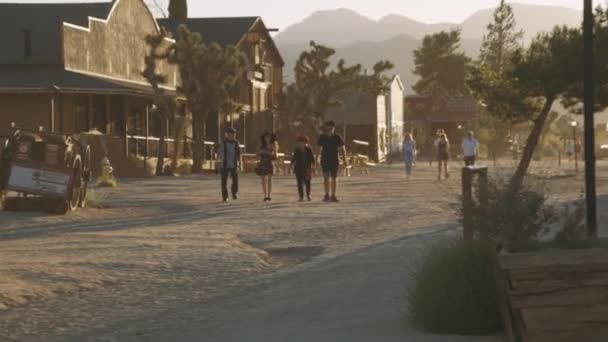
<point>409,154</point>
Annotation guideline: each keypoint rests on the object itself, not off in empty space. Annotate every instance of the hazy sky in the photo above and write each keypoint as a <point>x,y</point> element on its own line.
<point>281,13</point>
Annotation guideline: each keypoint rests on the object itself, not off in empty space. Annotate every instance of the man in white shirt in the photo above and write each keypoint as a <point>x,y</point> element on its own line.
<point>469,149</point>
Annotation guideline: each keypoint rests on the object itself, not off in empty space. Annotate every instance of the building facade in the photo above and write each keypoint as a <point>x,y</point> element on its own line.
<point>76,67</point>
<point>375,119</point>
<point>425,115</point>
<point>395,116</point>
<point>262,85</point>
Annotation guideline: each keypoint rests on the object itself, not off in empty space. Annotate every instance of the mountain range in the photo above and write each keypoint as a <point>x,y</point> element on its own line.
<point>359,39</point>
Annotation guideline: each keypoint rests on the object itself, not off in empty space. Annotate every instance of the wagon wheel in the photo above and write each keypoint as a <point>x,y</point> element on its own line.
<point>4,200</point>
<point>86,177</point>
<point>74,198</point>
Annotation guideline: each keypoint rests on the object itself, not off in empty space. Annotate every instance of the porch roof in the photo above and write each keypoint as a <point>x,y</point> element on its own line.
<point>57,80</point>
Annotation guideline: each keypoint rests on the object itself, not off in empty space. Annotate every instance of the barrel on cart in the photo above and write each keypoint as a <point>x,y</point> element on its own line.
<point>53,169</point>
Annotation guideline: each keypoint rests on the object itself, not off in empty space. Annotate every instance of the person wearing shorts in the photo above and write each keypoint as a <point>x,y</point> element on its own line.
<point>331,144</point>
<point>470,145</point>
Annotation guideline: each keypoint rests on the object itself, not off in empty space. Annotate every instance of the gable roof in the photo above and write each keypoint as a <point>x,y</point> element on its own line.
<point>448,108</point>
<point>223,31</point>
<point>355,108</point>
<point>44,20</point>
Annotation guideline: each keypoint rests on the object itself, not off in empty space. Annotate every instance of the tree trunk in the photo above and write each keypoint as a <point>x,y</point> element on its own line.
<point>179,132</point>
<point>531,144</point>
<point>197,147</point>
<point>161,147</point>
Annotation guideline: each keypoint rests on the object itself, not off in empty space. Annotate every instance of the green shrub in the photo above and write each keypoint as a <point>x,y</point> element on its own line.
<point>96,199</point>
<point>514,218</point>
<point>573,233</point>
<point>454,290</point>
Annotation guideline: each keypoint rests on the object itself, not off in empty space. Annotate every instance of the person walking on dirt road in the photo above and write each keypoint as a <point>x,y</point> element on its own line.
<point>330,145</point>
<point>265,167</point>
<point>443,155</point>
<point>303,163</point>
<point>470,145</point>
<point>409,154</point>
<point>229,163</point>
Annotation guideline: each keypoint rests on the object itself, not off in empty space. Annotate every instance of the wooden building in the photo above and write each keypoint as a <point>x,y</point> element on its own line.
<point>378,120</point>
<point>449,113</point>
<point>262,85</point>
<point>76,67</point>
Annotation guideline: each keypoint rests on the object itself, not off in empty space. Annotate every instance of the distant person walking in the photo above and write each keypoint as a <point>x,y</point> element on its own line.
<point>443,155</point>
<point>569,147</point>
<point>303,163</point>
<point>229,163</point>
<point>265,167</point>
<point>330,145</point>
<point>409,154</point>
<point>470,146</point>
<point>436,139</point>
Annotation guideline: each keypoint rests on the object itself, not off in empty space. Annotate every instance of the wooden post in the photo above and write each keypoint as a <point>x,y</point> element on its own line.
<point>90,112</point>
<point>147,132</point>
<point>52,116</point>
<point>61,119</point>
<point>589,99</point>
<point>126,111</point>
<point>108,114</point>
<point>467,202</point>
<point>468,172</point>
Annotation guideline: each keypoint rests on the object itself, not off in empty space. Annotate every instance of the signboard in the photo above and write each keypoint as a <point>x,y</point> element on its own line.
<point>39,181</point>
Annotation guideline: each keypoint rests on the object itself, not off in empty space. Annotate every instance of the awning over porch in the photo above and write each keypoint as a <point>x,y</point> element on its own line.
<point>57,80</point>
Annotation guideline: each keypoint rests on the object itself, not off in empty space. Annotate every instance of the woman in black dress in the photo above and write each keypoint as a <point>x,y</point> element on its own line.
<point>265,167</point>
<point>443,155</point>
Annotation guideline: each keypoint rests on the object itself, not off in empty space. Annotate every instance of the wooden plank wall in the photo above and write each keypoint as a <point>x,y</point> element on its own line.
<point>559,296</point>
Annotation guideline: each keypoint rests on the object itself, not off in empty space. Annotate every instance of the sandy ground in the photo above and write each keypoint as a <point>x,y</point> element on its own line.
<point>167,258</point>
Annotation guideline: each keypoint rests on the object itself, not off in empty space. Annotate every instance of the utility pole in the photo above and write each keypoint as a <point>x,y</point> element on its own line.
<point>590,191</point>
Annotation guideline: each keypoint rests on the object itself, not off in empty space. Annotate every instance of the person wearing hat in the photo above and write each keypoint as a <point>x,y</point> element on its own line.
<point>229,162</point>
<point>303,163</point>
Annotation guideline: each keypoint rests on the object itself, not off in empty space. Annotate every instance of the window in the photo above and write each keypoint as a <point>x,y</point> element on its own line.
<point>256,54</point>
<point>263,104</point>
<point>27,43</point>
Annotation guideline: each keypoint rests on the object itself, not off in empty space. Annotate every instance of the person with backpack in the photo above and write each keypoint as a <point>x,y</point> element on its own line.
<point>229,163</point>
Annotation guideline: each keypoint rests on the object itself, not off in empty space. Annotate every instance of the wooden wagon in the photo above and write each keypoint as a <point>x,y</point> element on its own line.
<point>52,168</point>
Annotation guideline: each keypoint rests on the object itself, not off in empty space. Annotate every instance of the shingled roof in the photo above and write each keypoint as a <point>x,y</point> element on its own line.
<point>223,31</point>
<point>44,21</point>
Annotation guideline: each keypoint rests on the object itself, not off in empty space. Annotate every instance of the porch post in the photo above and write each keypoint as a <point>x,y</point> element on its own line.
<point>52,116</point>
<point>89,112</point>
<point>147,132</point>
<point>126,111</point>
<point>108,114</point>
<point>61,118</point>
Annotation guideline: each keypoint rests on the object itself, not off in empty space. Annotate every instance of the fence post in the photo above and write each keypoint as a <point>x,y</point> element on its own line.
<point>467,202</point>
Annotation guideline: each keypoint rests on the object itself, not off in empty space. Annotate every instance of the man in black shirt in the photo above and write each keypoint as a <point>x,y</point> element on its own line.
<point>330,145</point>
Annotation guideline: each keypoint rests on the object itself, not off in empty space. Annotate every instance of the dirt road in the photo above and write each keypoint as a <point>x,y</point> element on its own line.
<point>166,249</point>
<point>165,242</point>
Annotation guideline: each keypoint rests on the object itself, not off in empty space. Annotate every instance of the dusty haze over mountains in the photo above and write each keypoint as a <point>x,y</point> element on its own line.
<point>360,39</point>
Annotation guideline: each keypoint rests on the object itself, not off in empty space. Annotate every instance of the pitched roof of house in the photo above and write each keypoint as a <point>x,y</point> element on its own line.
<point>354,109</point>
<point>44,21</point>
<point>223,31</point>
<point>448,109</point>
